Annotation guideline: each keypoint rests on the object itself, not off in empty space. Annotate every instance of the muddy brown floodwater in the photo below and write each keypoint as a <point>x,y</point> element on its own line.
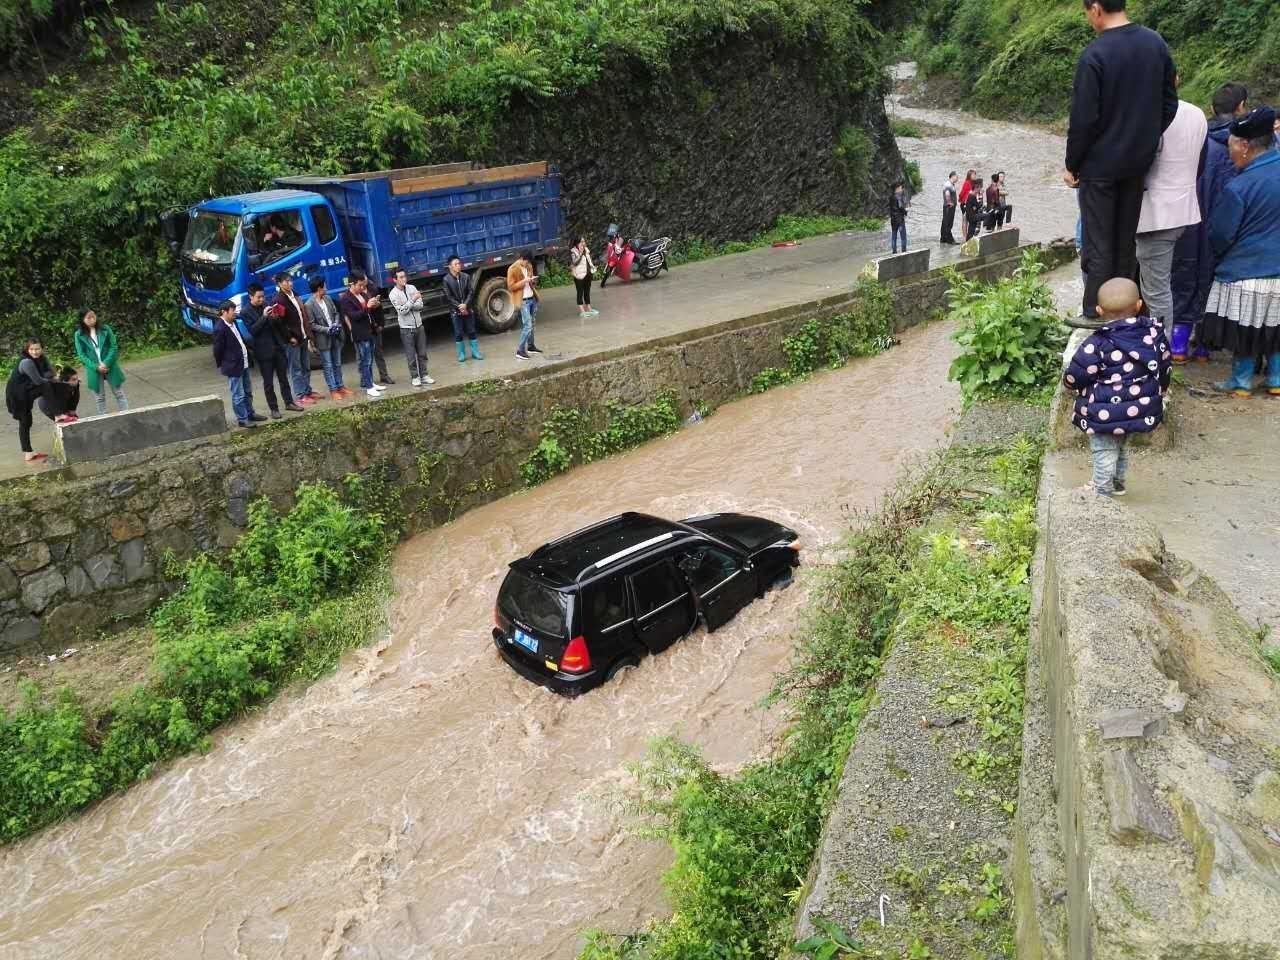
<point>424,801</point>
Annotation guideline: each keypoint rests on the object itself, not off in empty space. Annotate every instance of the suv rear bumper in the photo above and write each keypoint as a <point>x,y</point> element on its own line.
<point>566,684</point>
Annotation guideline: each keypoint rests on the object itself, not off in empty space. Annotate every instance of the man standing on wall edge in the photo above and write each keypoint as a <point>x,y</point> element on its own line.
<point>1123,98</point>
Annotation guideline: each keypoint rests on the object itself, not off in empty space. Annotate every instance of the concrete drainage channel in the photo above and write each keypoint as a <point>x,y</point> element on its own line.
<point>1148,807</point>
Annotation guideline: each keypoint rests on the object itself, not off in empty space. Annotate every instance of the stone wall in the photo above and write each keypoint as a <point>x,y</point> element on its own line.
<point>1149,805</point>
<point>82,551</point>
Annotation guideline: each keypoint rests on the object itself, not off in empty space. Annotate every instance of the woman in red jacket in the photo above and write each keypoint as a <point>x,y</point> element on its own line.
<point>964,195</point>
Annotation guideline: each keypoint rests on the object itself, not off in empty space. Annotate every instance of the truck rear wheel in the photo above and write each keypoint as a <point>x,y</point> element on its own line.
<point>495,307</point>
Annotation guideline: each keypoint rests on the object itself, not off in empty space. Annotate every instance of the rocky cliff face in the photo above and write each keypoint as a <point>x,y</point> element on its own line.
<point>719,146</point>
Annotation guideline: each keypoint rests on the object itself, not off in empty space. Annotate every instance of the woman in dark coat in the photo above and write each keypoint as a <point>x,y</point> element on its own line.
<point>26,384</point>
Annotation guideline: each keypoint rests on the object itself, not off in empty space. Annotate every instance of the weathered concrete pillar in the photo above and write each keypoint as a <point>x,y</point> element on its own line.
<point>109,435</point>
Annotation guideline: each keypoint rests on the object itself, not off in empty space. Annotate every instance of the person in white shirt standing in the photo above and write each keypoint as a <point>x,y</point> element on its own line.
<point>1169,205</point>
<point>413,335</point>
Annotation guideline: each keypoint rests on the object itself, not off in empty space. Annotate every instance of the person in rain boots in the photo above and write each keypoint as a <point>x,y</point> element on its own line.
<point>461,294</point>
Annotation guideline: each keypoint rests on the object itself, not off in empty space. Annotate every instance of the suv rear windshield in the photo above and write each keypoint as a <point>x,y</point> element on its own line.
<point>542,608</point>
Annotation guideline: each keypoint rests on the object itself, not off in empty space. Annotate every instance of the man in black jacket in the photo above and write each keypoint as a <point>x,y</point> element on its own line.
<point>460,292</point>
<point>269,342</point>
<point>949,207</point>
<point>1123,98</point>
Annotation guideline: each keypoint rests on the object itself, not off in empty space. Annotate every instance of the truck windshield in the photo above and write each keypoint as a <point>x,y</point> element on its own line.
<point>211,237</point>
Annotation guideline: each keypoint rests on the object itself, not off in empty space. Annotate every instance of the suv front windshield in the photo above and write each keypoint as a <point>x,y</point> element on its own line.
<point>544,609</point>
<point>211,237</point>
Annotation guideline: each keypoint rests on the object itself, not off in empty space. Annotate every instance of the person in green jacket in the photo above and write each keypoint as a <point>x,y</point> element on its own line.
<point>96,347</point>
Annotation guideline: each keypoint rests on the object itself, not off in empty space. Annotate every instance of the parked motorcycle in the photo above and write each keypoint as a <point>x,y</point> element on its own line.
<point>647,256</point>
<point>651,255</point>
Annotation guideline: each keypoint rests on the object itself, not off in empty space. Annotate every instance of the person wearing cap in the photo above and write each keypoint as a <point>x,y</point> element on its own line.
<point>1192,260</point>
<point>1243,310</point>
<point>1169,207</point>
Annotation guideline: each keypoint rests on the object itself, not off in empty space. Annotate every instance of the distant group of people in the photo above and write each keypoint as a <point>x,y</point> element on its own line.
<point>980,208</point>
<point>35,385</point>
<point>1188,206</point>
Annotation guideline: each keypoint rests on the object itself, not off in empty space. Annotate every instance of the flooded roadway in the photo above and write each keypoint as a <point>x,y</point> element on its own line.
<point>425,802</point>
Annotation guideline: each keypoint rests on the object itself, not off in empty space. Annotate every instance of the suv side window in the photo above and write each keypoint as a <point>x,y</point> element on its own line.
<point>708,567</point>
<point>607,603</point>
<point>656,586</point>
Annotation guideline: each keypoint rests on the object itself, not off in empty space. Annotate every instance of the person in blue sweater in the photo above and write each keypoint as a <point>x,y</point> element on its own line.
<point>1243,310</point>
<point>1120,375</point>
<point>1192,258</point>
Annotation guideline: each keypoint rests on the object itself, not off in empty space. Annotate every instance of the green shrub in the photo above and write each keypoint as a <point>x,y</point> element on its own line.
<point>911,174</point>
<point>571,436</point>
<point>907,128</point>
<point>854,153</point>
<point>296,592</point>
<point>1010,335</point>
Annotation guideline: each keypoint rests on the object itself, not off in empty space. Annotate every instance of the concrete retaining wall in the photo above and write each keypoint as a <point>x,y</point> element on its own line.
<point>83,550</point>
<point>1149,806</point>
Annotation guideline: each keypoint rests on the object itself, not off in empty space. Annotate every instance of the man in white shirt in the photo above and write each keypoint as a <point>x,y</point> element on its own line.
<point>1169,205</point>
<point>413,335</point>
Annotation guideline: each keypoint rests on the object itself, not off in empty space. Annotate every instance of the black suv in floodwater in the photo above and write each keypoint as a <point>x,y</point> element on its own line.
<point>579,609</point>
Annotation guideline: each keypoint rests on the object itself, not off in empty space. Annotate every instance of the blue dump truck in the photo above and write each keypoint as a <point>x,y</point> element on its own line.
<point>415,219</point>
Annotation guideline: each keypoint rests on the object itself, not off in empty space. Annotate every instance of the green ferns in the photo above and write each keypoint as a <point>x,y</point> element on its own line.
<point>295,593</point>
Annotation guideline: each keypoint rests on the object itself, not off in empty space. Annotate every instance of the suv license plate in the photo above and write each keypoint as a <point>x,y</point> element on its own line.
<point>526,641</point>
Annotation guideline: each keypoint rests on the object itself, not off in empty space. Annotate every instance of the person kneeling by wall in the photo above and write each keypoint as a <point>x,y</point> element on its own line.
<point>1120,375</point>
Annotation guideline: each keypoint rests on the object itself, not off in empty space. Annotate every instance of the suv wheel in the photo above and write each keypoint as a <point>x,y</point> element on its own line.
<point>626,663</point>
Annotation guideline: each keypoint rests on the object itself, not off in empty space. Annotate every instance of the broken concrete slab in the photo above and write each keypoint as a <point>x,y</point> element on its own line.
<point>896,265</point>
<point>985,244</point>
<point>1135,815</point>
<point>1130,723</point>
<point>1111,639</point>
<point>140,428</point>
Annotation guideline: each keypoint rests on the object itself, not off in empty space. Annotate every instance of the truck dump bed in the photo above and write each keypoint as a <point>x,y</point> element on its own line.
<point>416,218</point>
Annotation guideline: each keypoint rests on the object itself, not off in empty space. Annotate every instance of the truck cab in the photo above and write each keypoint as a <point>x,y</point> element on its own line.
<point>232,241</point>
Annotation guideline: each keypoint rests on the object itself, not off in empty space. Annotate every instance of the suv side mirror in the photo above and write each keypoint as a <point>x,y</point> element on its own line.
<point>255,261</point>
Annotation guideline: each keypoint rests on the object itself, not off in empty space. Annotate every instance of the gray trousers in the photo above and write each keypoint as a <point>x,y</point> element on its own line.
<point>1155,260</point>
<point>415,350</point>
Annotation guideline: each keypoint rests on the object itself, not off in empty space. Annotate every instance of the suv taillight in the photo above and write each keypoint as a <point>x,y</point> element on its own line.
<point>576,658</point>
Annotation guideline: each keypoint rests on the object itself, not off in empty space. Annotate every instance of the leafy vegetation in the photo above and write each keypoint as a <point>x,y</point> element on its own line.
<point>833,341</point>
<point>743,843</point>
<point>571,436</point>
<point>907,128</point>
<point>1017,57</point>
<point>788,228</point>
<point>295,593</point>
<point>1010,335</point>
<point>191,100</point>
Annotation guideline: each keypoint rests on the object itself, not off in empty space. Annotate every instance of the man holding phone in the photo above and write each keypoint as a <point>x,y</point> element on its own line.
<point>522,282</point>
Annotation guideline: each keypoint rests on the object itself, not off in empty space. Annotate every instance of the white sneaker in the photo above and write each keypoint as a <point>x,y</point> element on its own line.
<point>428,381</point>
<point>374,392</point>
<point>417,382</point>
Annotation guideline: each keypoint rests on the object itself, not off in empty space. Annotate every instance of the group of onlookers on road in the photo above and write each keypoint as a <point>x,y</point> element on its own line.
<point>1188,207</point>
<point>978,208</point>
<point>35,385</point>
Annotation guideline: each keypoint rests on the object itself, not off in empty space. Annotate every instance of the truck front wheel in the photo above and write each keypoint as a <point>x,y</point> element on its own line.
<point>495,307</point>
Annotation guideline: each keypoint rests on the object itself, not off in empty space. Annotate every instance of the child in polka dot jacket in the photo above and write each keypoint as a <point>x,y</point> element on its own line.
<point>1120,375</point>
